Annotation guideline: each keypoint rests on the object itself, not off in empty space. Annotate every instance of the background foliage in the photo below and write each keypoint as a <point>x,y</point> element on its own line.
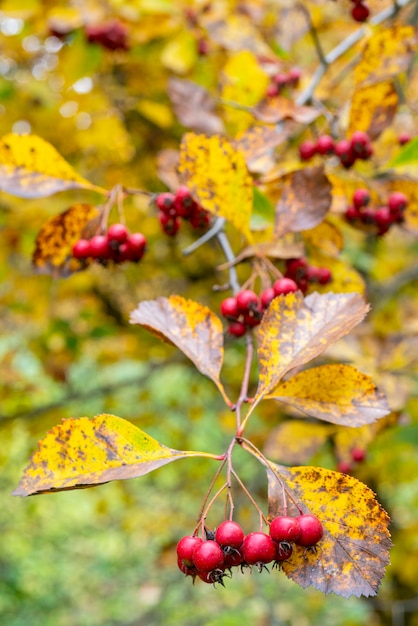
<point>106,556</point>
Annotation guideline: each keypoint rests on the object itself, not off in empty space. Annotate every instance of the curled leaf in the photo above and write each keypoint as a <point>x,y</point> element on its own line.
<point>83,452</point>
<point>351,558</point>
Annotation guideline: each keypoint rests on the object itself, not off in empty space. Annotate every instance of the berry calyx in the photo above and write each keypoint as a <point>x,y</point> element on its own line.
<point>208,556</point>
<point>311,530</point>
<point>258,548</point>
<point>284,551</point>
<point>230,534</point>
<point>285,528</point>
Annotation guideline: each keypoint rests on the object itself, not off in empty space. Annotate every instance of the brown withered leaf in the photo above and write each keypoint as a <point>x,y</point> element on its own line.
<point>258,141</point>
<point>194,107</point>
<point>295,330</point>
<point>83,452</point>
<point>279,108</point>
<point>279,249</point>
<point>191,327</point>
<point>57,236</point>
<point>351,557</point>
<point>167,164</point>
<point>295,441</point>
<point>305,200</point>
<point>339,394</point>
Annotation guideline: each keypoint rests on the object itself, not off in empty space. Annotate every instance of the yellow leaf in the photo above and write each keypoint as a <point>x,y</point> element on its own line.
<point>53,246</point>
<point>156,112</point>
<point>190,326</point>
<point>345,279</point>
<point>296,441</point>
<point>373,108</point>
<point>295,330</point>
<point>334,393</point>
<point>351,557</point>
<point>217,176</point>
<point>83,452</point>
<point>31,168</point>
<point>180,54</point>
<point>325,237</point>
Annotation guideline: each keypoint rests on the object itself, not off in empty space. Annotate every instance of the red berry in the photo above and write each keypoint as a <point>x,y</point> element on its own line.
<point>186,547</point>
<point>345,153</point>
<point>344,467</point>
<point>208,556</point>
<point>229,533</point>
<point>237,329</point>
<point>367,215</point>
<point>170,225</point>
<point>189,570</point>
<point>118,233</point>
<point>359,142</point>
<point>358,454</point>
<point>397,202</point>
<point>281,79</point>
<point>284,286</point>
<point>296,268</point>
<point>272,90</point>
<point>325,144</point>
<point>229,308</point>
<point>215,576</point>
<point>258,548</point>
<point>294,76</point>
<point>81,249</point>
<point>267,296</point>
<point>284,528</point>
<point>165,202</point>
<point>284,551</point>
<point>247,300</point>
<point>324,275</point>
<point>307,150</point>
<point>252,318</point>
<point>361,197</point>
<point>311,530</point>
<point>352,214</point>
<point>360,12</point>
<point>99,247</point>
<point>136,244</point>
<point>112,35</point>
<point>232,558</point>
<point>383,219</point>
<point>404,138</point>
<point>184,202</point>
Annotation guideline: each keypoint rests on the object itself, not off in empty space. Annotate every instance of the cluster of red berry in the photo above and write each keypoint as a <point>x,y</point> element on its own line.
<point>281,80</point>
<point>246,309</point>
<point>381,218</point>
<point>172,207</point>
<point>229,547</point>
<point>112,35</point>
<point>304,274</point>
<point>347,150</point>
<point>360,11</point>
<point>358,455</point>
<point>117,245</point>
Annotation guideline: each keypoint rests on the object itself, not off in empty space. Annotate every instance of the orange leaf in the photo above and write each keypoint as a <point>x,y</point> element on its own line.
<point>305,200</point>
<point>31,168</point>
<point>190,326</point>
<point>56,238</point>
<point>83,452</point>
<point>274,110</point>
<point>334,393</point>
<point>295,330</point>
<point>351,558</point>
<point>256,142</point>
<point>217,176</point>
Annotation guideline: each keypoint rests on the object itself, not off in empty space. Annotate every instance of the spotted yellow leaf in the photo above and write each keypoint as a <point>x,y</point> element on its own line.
<point>373,108</point>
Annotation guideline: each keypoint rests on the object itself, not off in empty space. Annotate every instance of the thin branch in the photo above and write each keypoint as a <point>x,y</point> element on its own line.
<point>207,236</point>
<point>314,35</point>
<point>230,257</point>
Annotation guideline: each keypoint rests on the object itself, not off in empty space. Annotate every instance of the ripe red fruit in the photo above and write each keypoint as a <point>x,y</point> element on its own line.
<point>383,219</point>
<point>352,214</point>
<point>358,455</point>
<point>281,79</point>
<point>252,318</point>
<point>294,76</point>
<point>307,150</point>
<point>170,225</point>
<point>267,296</point>
<point>112,35</point>
<point>272,90</point>
<point>296,268</point>
<point>208,556</point>
<point>367,215</point>
<point>99,247</point>
<point>81,249</point>
<point>284,286</point>
<point>165,202</point>
<point>344,467</point>
<point>229,308</point>
<point>325,144</point>
<point>361,197</point>
<point>237,329</point>
<point>360,12</point>
<point>404,138</point>
<point>118,233</point>
<point>359,141</point>
<point>397,203</point>
<point>184,202</point>
<point>344,152</point>
<point>285,528</point>
<point>186,547</point>
<point>311,530</point>
<point>229,533</point>
<point>136,245</point>
<point>324,275</point>
<point>215,576</point>
<point>258,548</point>
<point>247,300</point>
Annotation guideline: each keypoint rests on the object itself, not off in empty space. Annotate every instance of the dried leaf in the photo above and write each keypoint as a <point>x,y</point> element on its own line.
<point>373,109</point>
<point>258,141</point>
<point>56,238</point>
<point>295,441</point>
<point>217,176</point>
<point>334,393</point>
<point>83,452</point>
<point>237,32</point>
<point>295,330</point>
<point>305,200</point>
<point>194,106</point>
<point>31,168</point>
<point>351,558</point>
<point>277,109</point>
<point>190,326</point>
<point>167,164</point>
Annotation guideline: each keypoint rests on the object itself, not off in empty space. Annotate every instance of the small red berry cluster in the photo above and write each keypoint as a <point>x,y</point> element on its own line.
<point>229,547</point>
<point>304,274</point>
<point>347,150</point>
<point>172,207</point>
<point>281,80</point>
<point>381,218</point>
<point>360,11</point>
<point>358,455</point>
<point>112,35</point>
<point>117,245</point>
<point>246,309</point>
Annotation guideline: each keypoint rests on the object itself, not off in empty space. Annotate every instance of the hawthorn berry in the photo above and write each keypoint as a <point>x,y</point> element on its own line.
<point>272,90</point>
<point>352,214</point>
<point>252,318</point>
<point>229,308</point>
<point>246,300</point>
<point>208,556</point>
<point>311,530</point>
<point>397,203</point>
<point>361,198</point>
<point>212,577</point>
<point>344,152</point>
<point>307,150</point>
<point>136,245</point>
<point>324,275</point>
<point>294,76</point>
<point>186,547</point>
<point>258,548</point>
<point>285,528</point>
<point>284,551</point>
<point>296,268</point>
<point>325,145</point>
<point>360,12</point>
<point>112,35</point>
<point>284,285</point>
<point>165,202</point>
<point>237,329</point>
<point>117,233</point>
<point>81,249</point>
<point>184,202</point>
<point>99,247</point>
<point>358,455</point>
<point>404,138</point>
<point>281,80</point>
<point>360,142</point>
<point>344,467</point>
<point>189,570</point>
<point>229,533</point>
<point>267,296</point>
<point>383,219</point>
